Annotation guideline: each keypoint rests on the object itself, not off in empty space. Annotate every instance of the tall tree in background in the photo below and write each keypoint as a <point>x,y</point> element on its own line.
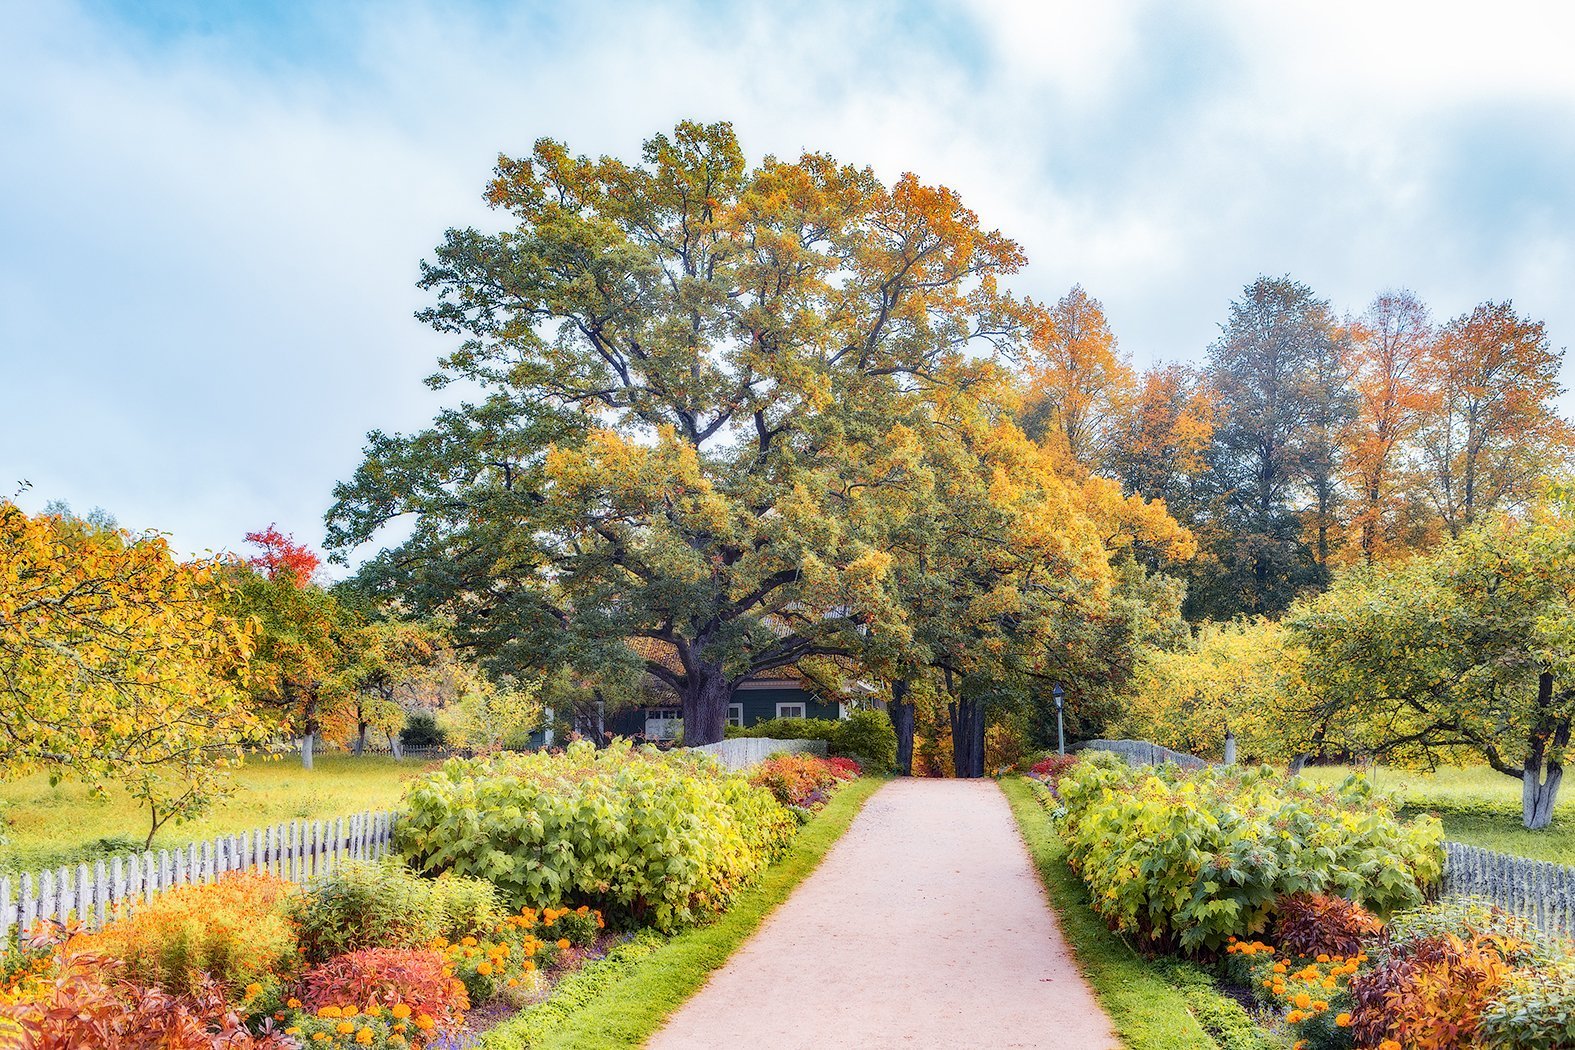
<point>1319,451</point>
<point>672,355</point>
<point>1278,395</point>
<point>1161,435</point>
<point>1493,433</point>
<point>1076,379</point>
<point>1388,354</point>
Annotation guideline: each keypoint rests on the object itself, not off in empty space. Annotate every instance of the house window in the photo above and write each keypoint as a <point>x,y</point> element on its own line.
<point>661,723</point>
<point>735,715</point>
<point>790,710</point>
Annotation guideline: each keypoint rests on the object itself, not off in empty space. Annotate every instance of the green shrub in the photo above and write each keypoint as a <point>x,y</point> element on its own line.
<point>792,729</point>
<point>1194,858</point>
<point>422,730</point>
<point>1533,1010</point>
<point>388,906</point>
<point>659,839</point>
<point>869,737</point>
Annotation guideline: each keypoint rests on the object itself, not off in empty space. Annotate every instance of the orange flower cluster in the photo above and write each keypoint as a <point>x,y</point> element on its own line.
<point>1305,987</point>
<point>377,1027</point>
<point>512,953</point>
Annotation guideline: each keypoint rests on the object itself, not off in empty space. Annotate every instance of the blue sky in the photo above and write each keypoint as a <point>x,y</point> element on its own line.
<point>211,214</point>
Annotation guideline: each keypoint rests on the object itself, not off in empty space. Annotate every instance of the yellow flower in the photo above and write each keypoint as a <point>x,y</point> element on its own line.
<point>425,1022</point>
<point>345,1027</point>
<point>400,1010</point>
<point>253,990</point>
<point>328,1011</point>
<point>563,944</point>
<point>293,1003</point>
<point>1343,1020</point>
<point>364,1036</point>
<point>484,968</point>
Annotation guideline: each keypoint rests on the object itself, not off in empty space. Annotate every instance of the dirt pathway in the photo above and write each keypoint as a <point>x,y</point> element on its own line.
<point>925,926</point>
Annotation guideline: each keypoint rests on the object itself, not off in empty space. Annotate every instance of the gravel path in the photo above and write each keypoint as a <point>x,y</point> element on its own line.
<point>925,926</point>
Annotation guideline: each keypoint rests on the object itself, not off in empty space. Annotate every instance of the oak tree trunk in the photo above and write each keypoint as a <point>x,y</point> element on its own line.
<point>901,713</point>
<point>967,718</point>
<point>704,699</point>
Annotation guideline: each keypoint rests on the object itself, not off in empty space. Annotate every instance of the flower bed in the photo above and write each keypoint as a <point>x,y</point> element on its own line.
<point>389,957</point>
<point>1451,974</point>
<point>1192,859</point>
<point>803,782</point>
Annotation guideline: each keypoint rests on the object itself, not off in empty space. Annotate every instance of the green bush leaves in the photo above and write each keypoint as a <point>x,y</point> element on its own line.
<point>1195,858</point>
<point>664,840</point>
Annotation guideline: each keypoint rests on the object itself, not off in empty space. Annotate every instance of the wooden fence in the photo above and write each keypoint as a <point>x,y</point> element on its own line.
<point>1143,753</point>
<point>1536,889</point>
<point>297,850</point>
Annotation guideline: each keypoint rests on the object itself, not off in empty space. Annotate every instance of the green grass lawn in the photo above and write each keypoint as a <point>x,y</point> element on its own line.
<point>617,1004</point>
<point>1154,1004</point>
<point>1477,806</point>
<point>66,823</point>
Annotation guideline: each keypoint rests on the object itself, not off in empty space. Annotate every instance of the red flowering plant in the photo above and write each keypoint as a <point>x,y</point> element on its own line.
<point>798,780</point>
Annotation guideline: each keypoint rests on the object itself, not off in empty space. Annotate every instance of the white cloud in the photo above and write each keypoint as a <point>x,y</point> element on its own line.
<point>209,250</point>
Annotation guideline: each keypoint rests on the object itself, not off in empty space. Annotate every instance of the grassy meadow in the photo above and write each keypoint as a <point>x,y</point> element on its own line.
<point>1476,805</point>
<point>61,824</point>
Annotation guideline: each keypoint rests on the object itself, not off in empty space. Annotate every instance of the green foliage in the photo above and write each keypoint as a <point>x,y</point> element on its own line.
<point>388,906</point>
<point>1196,858</point>
<point>791,729</point>
<point>869,737</point>
<point>1517,939</point>
<point>663,839</point>
<point>421,730</point>
<point>1533,1010</point>
<point>1225,1020</point>
<point>1468,651</point>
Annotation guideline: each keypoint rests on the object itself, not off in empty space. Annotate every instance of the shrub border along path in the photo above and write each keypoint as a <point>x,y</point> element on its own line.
<point>621,1000</point>
<point>1154,1006</point>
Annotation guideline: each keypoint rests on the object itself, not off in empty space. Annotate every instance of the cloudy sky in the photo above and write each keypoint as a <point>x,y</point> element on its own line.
<point>211,215</point>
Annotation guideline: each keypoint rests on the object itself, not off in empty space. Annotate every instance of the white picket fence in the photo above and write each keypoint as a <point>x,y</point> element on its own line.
<point>741,752</point>
<point>297,850</point>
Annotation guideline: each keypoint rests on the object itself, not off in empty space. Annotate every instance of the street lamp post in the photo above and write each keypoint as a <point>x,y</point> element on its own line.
<point>1060,727</point>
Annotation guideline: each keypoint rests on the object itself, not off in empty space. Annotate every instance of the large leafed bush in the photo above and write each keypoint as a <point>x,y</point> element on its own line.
<point>658,839</point>
<point>1193,858</point>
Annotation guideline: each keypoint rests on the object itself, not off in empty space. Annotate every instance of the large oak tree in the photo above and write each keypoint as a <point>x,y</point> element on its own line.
<point>673,369</point>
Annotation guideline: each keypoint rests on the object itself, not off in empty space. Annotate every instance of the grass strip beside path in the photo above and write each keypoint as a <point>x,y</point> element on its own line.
<point>1149,1011</point>
<point>620,1001</point>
